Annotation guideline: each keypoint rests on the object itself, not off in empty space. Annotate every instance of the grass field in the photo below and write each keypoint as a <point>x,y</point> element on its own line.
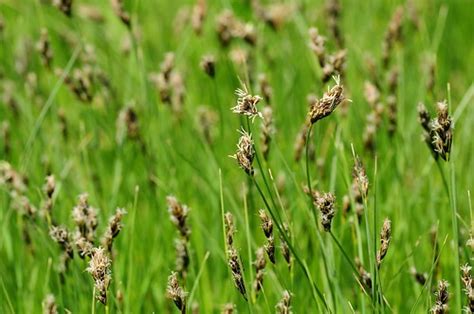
<point>132,103</point>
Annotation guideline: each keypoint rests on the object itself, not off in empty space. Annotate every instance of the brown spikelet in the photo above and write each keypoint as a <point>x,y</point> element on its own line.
<point>265,88</point>
<point>228,308</point>
<point>285,249</point>
<point>267,227</point>
<point>385,238</point>
<point>64,6</point>
<point>99,268</point>
<point>5,133</point>
<point>441,131</point>
<point>326,105</point>
<point>419,277</point>
<point>284,305</point>
<point>176,293</point>
<point>247,104</point>
<point>208,65</point>
<point>61,236</point>
<point>198,15</point>
<point>179,214</point>
<point>333,10</point>
<point>267,130</point>
<point>237,276</point>
<point>364,277</point>
<point>49,304</point>
<point>317,45</point>
<point>468,283</point>
<point>300,141</point>
<point>206,121</point>
<point>182,257</point>
<point>229,228</point>
<point>225,24</point>
<point>392,35</point>
<point>245,153</point>
<point>335,65</point>
<point>85,217</point>
<point>441,304</point>
<point>260,264</point>
<point>325,203</point>
<point>44,48</point>
<point>121,13</point>
<point>113,229</point>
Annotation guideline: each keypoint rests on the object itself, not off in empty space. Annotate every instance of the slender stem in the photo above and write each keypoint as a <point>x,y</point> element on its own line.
<point>313,207</point>
<point>93,301</point>
<point>354,269</point>
<point>315,289</point>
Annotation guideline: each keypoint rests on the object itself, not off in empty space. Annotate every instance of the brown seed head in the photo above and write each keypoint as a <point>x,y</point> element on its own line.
<point>385,238</point>
<point>442,296</point>
<point>284,305</point>
<point>325,203</point>
<point>245,153</point>
<point>49,305</point>
<point>208,65</point>
<point>247,104</point>
<point>326,105</point>
<point>178,214</point>
<point>99,268</point>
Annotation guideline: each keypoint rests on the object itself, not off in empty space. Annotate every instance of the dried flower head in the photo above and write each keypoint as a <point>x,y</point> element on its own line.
<point>267,223</point>
<point>44,48</point>
<point>364,277</point>
<point>260,264</point>
<point>61,236</point>
<point>64,6</point>
<point>385,238</point>
<point>85,217</point>
<point>245,153</point>
<point>49,305</point>
<point>442,296</point>
<point>208,65</point>
<point>178,214</point>
<point>441,131</point>
<point>229,228</point>
<point>361,181</point>
<point>247,104</point>
<point>317,45</point>
<point>284,305</point>
<point>419,277</point>
<point>228,308</point>
<point>325,203</point>
<point>99,268</point>
<point>265,88</point>
<point>267,131</point>
<point>237,276</point>
<point>113,229</point>
<point>176,293</point>
<point>182,257</point>
<point>468,283</point>
<point>119,9</point>
<point>285,249</point>
<point>326,105</point>
<point>197,16</point>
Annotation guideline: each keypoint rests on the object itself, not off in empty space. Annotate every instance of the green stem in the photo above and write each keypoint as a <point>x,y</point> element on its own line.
<point>316,292</point>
